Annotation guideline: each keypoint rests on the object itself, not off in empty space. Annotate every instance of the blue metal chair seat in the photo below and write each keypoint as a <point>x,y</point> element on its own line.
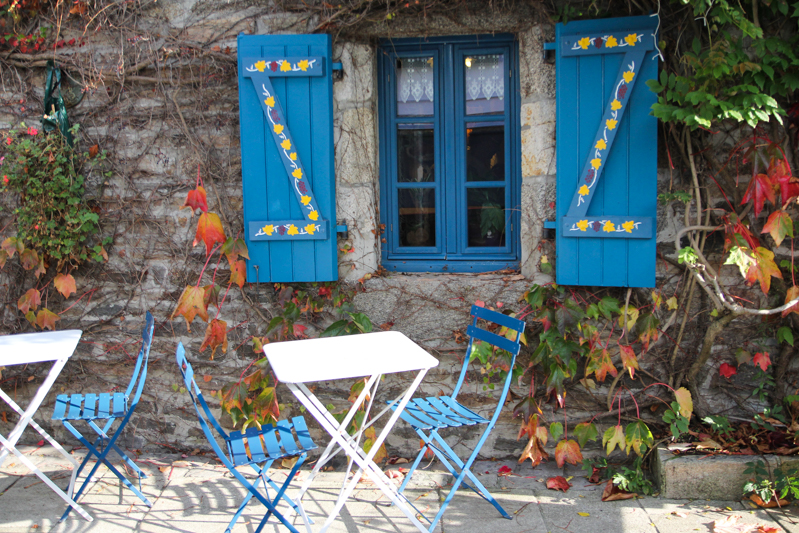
<point>106,408</point>
<point>427,416</point>
<point>258,448</point>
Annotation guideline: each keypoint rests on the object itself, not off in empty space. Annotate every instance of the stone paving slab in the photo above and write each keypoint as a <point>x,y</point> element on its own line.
<point>198,495</point>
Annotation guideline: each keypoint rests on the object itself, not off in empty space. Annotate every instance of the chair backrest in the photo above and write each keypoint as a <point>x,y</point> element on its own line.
<point>475,333</point>
<point>143,359</point>
<point>203,411</point>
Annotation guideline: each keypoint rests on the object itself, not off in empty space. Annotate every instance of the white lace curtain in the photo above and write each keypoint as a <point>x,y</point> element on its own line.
<point>484,78</point>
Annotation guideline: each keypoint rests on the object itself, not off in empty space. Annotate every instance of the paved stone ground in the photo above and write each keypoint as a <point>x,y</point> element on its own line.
<point>197,495</point>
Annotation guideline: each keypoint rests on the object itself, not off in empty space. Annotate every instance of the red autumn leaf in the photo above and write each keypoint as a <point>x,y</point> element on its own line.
<point>596,475</point>
<point>727,370</point>
<point>211,295</point>
<point>215,337</point>
<point>613,493</point>
<point>209,230</point>
<point>762,360</point>
<point>479,303</point>
<point>93,151</point>
<point>238,273</point>
<point>763,269</point>
<point>504,470</point>
<point>46,319</point>
<point>12,245</point>
<point>29,301</point>
<point>628,359</point>
<point>207,377</point>
<point>196,199</point>
<point>299,330</point>
<point>568,451</point>
<point>730,524</point>
<point>233,248</point>
<point>191,304</point>
<point>734,230</point>
<point>40,268</point>
<point>601,365</point>
<point>29,259</point>
<point>759,190</point>
<point>792,294</point>
<point>779,225</point>
<point>65,284</point>
<point>780,174</point>
<point>558,483</point>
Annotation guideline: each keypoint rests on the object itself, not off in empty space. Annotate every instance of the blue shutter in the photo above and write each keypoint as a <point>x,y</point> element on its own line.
<point>606,153</point>
<point>286,126</point>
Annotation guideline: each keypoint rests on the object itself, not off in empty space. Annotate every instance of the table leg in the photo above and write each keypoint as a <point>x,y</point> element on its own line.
<point>364,461</point>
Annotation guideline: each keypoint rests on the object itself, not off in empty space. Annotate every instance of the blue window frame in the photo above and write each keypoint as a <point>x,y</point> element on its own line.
<point>450,149</point>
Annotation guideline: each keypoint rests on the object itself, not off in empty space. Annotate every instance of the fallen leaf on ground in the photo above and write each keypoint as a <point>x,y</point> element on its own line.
<point>558,483</point>
<point>583,514</point>
<point>767,505</point>
<point>613,493</point>
<point>729,524</point>
<point>708,444</point>
<point>504,470</point>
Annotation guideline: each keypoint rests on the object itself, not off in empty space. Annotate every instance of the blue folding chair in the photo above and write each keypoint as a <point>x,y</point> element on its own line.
<point>430,415</point>
<point>107,407</point>
<point>258,448</point>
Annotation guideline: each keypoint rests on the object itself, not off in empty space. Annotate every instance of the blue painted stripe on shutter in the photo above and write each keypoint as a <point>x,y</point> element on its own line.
<point>268,193</point>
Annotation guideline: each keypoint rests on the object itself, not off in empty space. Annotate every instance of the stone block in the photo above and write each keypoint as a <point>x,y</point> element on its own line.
<point>537,78</point>
<point>356,207</point>
<point>538,138</point>
<point>537,194</point>
<point>357,84</point>
<point>355,146</point>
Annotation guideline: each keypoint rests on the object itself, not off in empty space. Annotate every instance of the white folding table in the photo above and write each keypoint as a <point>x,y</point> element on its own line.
<point>56,347</point>
<point>333,358</point>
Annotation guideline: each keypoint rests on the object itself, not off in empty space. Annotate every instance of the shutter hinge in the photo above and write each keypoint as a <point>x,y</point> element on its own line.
<point>341,229</point>
<point>549,47</point>
<point>338,71</point>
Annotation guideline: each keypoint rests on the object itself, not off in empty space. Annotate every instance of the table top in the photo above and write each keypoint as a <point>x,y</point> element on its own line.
<point>349,356</point>
<point>27,348</point>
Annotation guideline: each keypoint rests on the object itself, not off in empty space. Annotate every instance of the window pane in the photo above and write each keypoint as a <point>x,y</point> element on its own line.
<point>485,151</point>
<point>415,153</point>
<point>417,217</point>
<point>486,216</point>
<point>415,86</point>
<point>484,84</point>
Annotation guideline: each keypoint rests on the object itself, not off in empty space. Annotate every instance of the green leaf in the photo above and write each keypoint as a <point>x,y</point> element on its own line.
<point>585,432</point>
<point>687,255</point>
<point>556,430</point>
<point>638,437</point>
<point>785,334</point>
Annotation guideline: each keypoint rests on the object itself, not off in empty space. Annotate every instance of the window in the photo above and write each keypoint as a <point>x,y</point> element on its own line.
<point>449,154</point>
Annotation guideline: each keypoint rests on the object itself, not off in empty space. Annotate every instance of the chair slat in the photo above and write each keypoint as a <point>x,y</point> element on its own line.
<point>61,402</point>
<point>433,413</point>
<point>257,454</point>
<point>286,438</point>
<point>462,410</point>
<point>272,446</point>
<point>238,453</point>
<point>75,402</point>
<point>418,419</point>
<point>104,409</point>
<point>498,318</point>
<point>119,404</point>
<point>493,338</point>
<point>449,413</point>
<point>89,407</point>
<point>303,435</point>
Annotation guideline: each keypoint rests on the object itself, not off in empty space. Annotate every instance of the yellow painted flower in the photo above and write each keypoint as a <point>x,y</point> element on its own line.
<point>609,227</point>
<point>297,173</point>
<point>584,43</point>
<point>269,229</point>
<point>293,230</point>
<point>628,76</point>
<point>310,228</point>
<point>611,124</point>
<point>293,156</point>
<point>270,101</point>
<point>583,191</point>
<point>631,39</point>
<point>601,144</point>
<point>278,128</point>
<point>596,162</point>
<point>260,66</point>
<point>286,144</point>
<point>285,67</point>
<point>628,226</point>
<point>303,65</point>
<point>313,215</point>
<point>305,200</point>
<point>615,105</point>
<point>611,42</point>
<point>583,225</point>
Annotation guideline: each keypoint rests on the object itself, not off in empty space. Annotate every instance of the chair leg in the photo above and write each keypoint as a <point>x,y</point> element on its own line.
<point>413,468</point>
<point>119,451</point>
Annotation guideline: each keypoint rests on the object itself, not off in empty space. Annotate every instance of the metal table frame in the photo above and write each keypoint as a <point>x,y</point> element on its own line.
<point>56,346</point>
<point>372,354</point>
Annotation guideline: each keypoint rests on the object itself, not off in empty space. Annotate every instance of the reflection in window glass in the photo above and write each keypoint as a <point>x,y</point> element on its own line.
<point>415,86</point>
<point>415,153</point>
<point>486,216</point>
<point>485,151</point>
<point>484,84</point>
<point>417,217</point>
